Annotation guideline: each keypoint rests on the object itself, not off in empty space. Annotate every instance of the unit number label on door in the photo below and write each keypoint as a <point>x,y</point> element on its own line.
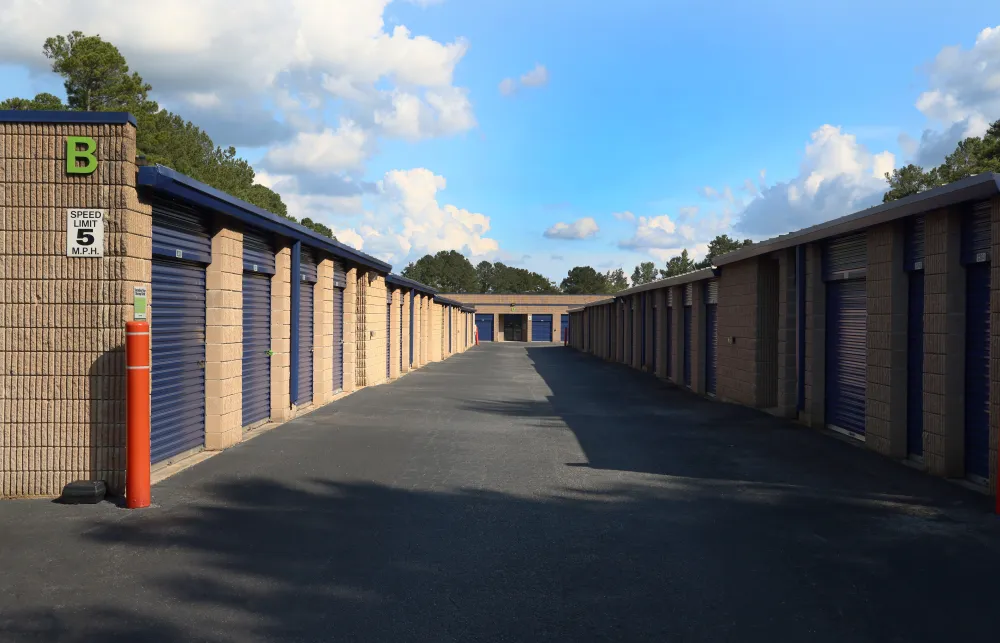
<point>85,232</point>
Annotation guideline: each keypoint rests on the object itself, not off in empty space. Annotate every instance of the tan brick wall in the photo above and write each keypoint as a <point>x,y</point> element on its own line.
<point>281,338</point>
<point>62,327</point>
<point>405,330</point>
<point>323,333</point>
<point>737,319</point>
<point>885,406</point>
<point>375,340</point>
<point>224,341</point>
<point>787,335</point>
<point>350,330</point>
<point>698,338</point>
<point>815,375</point>
<point>944,345</point>
<point>396,313</point>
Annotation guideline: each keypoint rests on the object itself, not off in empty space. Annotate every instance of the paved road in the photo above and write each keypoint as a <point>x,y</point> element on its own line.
<point>516,493</point>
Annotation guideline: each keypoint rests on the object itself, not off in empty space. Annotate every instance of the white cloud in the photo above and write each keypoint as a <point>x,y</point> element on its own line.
<point>345,148</point>
<point>624,216</point>
<point>837,176</point>
<point>439,113</point>
<point>963,96</point>
<point>579,229</point>
<point>537,77</point>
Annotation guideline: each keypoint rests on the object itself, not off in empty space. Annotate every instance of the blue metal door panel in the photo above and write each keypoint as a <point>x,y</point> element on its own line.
<point>670,342</point>
<point>258,252</point>
<point>915,365</point>
<point>180,232</point>
<point>541,328</point>
<point>711,346</point>
<point>388,336</point>
<point>846,354</point>
<point>564,328</point>
<point>338,339</point>
<point>177,325</point>
<point>306,329</point>
<point>484,325</point>
<point>977,370</point>
<point>687,345</point>
<point>256,347</point>
<point>976,234</point>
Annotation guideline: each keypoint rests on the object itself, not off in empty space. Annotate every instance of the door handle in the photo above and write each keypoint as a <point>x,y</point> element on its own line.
<point>201,363</point>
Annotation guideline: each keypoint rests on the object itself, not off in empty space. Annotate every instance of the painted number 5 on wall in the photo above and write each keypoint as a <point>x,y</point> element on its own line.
<point>84,232</point>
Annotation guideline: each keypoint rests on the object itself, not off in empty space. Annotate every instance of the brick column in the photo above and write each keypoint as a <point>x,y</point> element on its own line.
<point>737,312</point>
<point>677,340</point>
<point>815,385</point>
<point>405,316</point>
<point>323,333</point>
<point>497,328</point>
<point>62,319</point>
<point>395,316</point>
<point>374,328</point>
<point>887,292</point>
<point>787,335</point>
<point>350,329</point>
<point>281,342</point>
<point>224,341</point>
<point>661,332</point>
<point>944,345</point>
<point>698,337</point>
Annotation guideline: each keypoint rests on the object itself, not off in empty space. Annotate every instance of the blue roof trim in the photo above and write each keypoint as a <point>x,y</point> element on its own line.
<point>396,280</point>
<point>448,302</point>
<point>172,183</point>
<point>73,118</point>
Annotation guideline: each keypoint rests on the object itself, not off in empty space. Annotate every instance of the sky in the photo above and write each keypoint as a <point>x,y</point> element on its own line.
<point>549,134</point>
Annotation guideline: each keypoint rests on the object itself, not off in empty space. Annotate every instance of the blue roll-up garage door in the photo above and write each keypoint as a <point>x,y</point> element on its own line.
<point>642,330</point>
<point>914,264</point>
<point>541,328</point>
<point>669,343</point>
<point>484,325</point>
<point>258,267</point>
<point>655,334</point>
<point>711,335</point>
<point>181,248</point>
<point>846,355</point>
<point>307,279</point>
<point>687,333</point>
<point>564,328</point>
<point>339,284</point>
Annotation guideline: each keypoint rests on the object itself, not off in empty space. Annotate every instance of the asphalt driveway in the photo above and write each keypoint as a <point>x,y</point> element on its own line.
<point>516,493</point>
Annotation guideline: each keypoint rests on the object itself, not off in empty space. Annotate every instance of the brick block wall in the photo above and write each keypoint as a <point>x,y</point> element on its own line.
<point>737,311</point>
<point>815,375</point>
<point>944,345</point>
<point>395,297</point>
<point>281,335</point>
<point>787,335</point>
<point>405,330</point>
<point>698,335</point>
<point>62,324</point>
<point>224,341</point>
<point>885,422</point>
<point>323,333</point>
<point>350,329</point>
<point>677,338</point>
<point>374,340</point>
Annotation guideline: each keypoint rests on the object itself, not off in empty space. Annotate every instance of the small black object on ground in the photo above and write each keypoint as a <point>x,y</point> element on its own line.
<point>83,492</point>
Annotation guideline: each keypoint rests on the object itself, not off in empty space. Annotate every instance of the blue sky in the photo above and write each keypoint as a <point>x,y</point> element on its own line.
<point>406,144</point>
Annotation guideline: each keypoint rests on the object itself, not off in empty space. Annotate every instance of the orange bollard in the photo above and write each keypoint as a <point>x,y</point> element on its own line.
<point>137,493</point>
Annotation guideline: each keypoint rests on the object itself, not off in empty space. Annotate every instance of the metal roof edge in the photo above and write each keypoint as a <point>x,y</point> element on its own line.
<point>979,186</point>
<point>694,275</point>
<point>447,302</point>
<point>65,117</point>
<point>168,181</point>
<point>399,280</point>
<point>600,302</point>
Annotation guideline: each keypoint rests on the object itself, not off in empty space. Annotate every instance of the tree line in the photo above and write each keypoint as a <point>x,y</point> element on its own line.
<point>97,78</point>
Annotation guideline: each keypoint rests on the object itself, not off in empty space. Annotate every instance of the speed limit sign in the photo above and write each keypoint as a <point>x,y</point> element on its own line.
<point>85,232</point>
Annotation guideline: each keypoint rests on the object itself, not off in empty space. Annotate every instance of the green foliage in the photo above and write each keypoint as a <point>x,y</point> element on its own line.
<point>644,273</point>
<point>96,75</point>
<point>678,265</point>
<point>719,246</point>
<point>499,278</point>
<point>974,155</point>
<point>316,226</point>
<point>448,271</point>
<point>97,78</point>
<point>584,280</point>
<point>615,280</point>
<point>43,101</point>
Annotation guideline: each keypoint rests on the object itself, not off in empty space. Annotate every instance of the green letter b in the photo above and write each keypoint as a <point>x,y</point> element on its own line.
<point>74,153</point>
